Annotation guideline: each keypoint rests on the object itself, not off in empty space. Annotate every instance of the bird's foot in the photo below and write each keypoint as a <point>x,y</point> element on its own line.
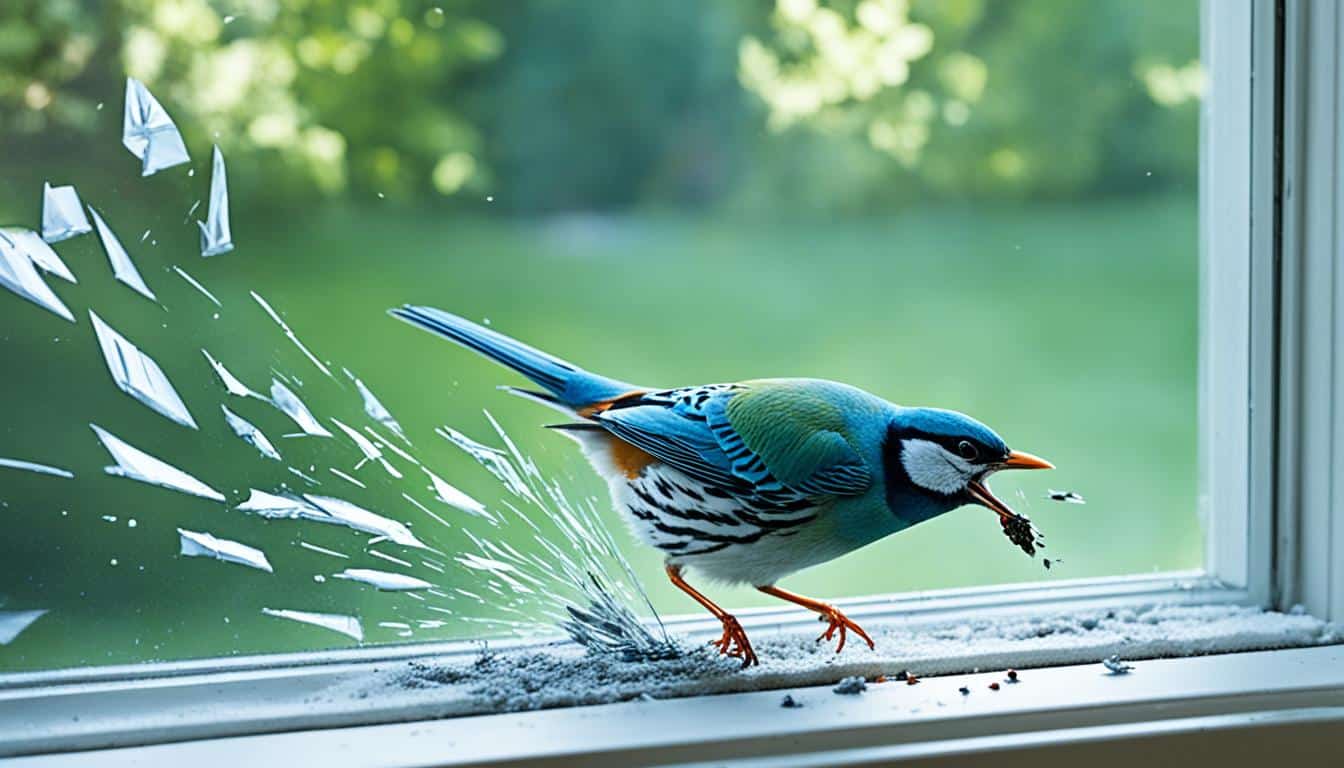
<point>734,642</point>
<point>841,623</point>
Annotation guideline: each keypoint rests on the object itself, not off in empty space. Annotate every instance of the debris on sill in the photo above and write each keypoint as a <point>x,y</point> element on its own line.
<point>1115,666</point>
<point>566,675</point>
<point>851,686</point>
<point>790,703</point>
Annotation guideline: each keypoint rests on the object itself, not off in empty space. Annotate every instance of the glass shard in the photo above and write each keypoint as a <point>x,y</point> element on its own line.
<point>327,509</point>
<point>198,544</point>
<point>14,622</point>
<point>62,214</point>
<point>215,235</point>
<point>231,383</point>
<point>196,284</point>
<point>371,452</point>
<point>122,266</point>
<point>384,580</point>
<point>35,467</point>
<point>345,477</point>
<point>346,625</point>
<point>136,374</point>
<point>135,464</point>
<point>249,433</point>
<point>18,274</point>
<point>323,550</point>
<point>43,256</point>
<point>375,409</point>
<point>283,397</point>
<point>450,495</point>
<point>290,333</point>
<point>148,132</point>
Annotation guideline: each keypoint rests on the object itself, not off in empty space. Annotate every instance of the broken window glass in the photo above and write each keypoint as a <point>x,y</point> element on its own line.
<point>198,544</point>
<point>30,466</point>
<point>283,398</point>
<point>194,283</point>
<point>384,580</point>
<point>346,625</point>
<point>135,464</point>
<point>148,132</point>
<point>14,622</point>
<point>249,432</point>
<point>290,333</point>
<point>41,254</point>
<point>375,409</point>
<point>215,235</point>
<point>231,383</point>
<point>327,509</point>
<point>136,374</point>
<point>122,266</point>
<point>18,274</point>
<point>62,214</point>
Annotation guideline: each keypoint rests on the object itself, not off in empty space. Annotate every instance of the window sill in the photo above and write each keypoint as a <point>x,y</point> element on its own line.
<point>932,634</point>
<point>888,722</point>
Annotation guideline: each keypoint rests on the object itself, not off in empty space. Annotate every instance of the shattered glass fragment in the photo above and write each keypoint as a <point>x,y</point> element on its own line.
<point>375,409</point>
<point>387,557</point>
<point>249,433</point>
<point>323,550</point>
<point>309,479</point>
<point>346,477</point>
<point>371,452</point>
<point>148,132</point>
<point>231,383</point>
<point>346,625</point>
<point>327,509</point>
<point>136,374</point>
<point>18,274</point>
<point>197,544</point>
<point>62,214</point>
<point>425,509</point>
<point>122,266</point>
<point>384,580</point>
<point>450,495</point>
<point>135,464</point>
<point>35,467</point>
<point>283,397</point>
<point>43,256</point>
<point>14,622</point>
<point>215,235</point>
<point>290,333</point>
<point>196,284</point>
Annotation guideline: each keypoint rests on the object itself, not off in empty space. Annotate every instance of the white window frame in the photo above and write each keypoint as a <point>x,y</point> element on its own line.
<point>1271,438</point>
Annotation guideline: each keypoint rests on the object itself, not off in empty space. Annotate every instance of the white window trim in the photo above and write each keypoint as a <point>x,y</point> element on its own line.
<point>1271,443</point>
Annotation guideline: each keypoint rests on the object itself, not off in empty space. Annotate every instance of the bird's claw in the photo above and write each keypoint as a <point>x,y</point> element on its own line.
<point>734,642</point>
<point>838,621</point>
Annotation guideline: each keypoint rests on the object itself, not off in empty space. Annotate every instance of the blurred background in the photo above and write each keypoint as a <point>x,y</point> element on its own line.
<point>985,206</point>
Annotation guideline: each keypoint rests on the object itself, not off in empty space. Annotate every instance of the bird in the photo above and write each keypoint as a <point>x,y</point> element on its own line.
<point>749,482</point>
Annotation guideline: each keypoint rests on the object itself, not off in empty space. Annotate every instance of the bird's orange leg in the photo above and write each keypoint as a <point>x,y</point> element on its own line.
<point>734,641</point>
<point>829,613</point>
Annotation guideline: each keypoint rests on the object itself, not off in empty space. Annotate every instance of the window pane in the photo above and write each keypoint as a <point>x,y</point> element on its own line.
<point>987,207</point>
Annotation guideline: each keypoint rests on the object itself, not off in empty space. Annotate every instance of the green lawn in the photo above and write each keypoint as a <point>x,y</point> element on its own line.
<point>1068,328</point>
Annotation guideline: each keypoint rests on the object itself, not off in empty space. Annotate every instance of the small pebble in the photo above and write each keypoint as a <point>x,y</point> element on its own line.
<point>993,686</point>
<point>964,691</point>
<point>1068,497</point>
<point>904,673</point>
<point>1012,675</point>
<point>1115,665</point>
<point>912,680</point>
<point>790,703</point>
<point>850,686</point>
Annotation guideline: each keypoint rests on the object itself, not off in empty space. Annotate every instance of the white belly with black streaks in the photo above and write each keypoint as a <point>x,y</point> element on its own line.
<point>701,528</point>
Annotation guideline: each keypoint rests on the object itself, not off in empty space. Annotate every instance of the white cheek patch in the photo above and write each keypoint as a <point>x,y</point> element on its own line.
<point>931,466</point>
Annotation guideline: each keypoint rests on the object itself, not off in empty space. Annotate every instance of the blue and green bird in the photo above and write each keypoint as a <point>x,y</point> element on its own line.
<point>749,482</point>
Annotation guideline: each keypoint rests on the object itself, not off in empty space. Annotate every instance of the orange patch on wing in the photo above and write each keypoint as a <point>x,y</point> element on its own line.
<point>629,459</point>
<point>589,411</point>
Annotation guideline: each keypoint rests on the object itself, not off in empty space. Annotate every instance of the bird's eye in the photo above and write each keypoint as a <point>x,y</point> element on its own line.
<point>967,450</point>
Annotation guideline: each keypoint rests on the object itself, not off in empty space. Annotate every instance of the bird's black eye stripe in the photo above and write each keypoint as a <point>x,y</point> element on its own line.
<point>967,450</point>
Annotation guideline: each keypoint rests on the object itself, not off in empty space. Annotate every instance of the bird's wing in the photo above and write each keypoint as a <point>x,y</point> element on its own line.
<point>752,439</point>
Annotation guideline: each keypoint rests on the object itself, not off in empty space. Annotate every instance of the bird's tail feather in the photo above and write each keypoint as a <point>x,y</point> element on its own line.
<point>567,384</point>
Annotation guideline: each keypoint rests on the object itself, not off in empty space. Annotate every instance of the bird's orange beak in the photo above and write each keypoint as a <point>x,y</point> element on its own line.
<point>979,492</point>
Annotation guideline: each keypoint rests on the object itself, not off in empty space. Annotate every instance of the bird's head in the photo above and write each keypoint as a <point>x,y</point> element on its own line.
<point>946,457</point>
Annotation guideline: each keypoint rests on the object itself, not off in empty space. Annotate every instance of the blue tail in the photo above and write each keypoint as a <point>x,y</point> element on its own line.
<point>566,383</point>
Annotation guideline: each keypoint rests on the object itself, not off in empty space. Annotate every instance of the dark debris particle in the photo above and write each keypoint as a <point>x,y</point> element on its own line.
<point>993,686</point>
<point>912,680</point>
<point>964,691</point>
<point>790,703</point>
<point>1012,676</point>
<point>903,674</point>
<point>851,686</point>
<point>1021,532</point>
<point>1068,497</point>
